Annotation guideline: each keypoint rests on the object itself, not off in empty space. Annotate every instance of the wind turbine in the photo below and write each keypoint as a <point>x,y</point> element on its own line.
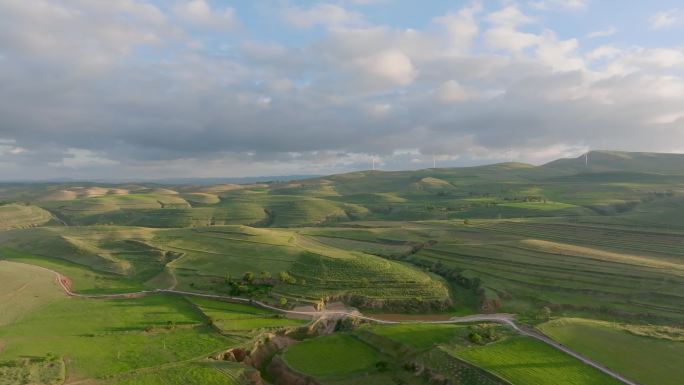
<point>373,158</point>
<point>434,161</point>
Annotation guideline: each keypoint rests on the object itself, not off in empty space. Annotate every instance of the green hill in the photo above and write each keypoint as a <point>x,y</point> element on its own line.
<point>606,161</point>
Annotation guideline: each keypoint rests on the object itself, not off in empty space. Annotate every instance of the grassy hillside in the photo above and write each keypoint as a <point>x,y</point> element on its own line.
<point>152,340</point>
<point>14,216</point>
<point>23,289</point>
<point>635,162</point>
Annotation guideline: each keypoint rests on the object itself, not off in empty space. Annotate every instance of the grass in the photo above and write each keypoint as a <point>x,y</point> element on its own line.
<point>421,336</point>
<point>84,280</point>
<point>25,289</point>
<point>544,206</point>
<point>315,357</point>
<point>32,371</point>
<point>101,338</point>
<point>523,360</point>
<point>646,360</point>
<point>205,373</point>
<point>232,317</point>
<point>18,216</point>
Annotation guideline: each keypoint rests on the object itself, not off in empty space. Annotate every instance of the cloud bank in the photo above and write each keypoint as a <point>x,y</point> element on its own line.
<point>134,88</point>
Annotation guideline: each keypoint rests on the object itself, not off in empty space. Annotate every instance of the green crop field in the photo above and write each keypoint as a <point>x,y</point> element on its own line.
<point>523,360</point>
<point>232,317</point>
<point>330,356</point>
<point>127,339</point>
<point>116,336</point>
<point>190,373</point>
<point>658,350</point>
<point>421,336</point>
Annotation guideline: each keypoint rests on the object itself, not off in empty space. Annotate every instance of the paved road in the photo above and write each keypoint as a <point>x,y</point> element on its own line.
<point>502,318</point>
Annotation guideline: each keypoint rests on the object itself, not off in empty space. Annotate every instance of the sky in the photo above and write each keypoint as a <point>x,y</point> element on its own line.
<point>201,88</point>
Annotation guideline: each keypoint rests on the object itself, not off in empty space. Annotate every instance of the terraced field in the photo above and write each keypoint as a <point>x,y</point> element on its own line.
<point>523,265</point>
<point>14,216</point>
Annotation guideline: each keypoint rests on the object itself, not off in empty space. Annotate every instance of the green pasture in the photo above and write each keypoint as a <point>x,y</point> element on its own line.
<point>523,361</point>
<point>421,336</point>
<point>652,358</point>
<point>331,356</point>
<point>205,373</point>
<point>232,317</point>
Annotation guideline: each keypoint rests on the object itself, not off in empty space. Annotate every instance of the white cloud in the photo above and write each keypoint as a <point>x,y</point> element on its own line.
<point>603,52</point>
<point>504,34</point>
<point>510,39</point>
<point>560,55</point>
<point>329,15</point>
<point>461,26</point>
<point>560,4</point>
<point>79,158</point>
<point>665,19</point>
<point>199,13</point>
<point>73,79</point>
<point>452,91</point>
<point>392,66</point>
<point>610,31</point>
<point>509,17</point>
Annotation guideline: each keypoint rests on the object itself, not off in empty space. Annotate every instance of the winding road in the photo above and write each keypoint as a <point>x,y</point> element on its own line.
<point>502,318</point>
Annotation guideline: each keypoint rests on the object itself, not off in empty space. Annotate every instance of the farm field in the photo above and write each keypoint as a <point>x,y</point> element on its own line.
<point>313,357</point>
<point>232,318</point>
<point>655,348</point>
<point>21,216</point>
<point>523,360</point>
<point>421,336</point>
<point>121,340</point>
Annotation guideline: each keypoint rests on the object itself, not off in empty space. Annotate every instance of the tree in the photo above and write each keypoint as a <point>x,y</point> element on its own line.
<point>282,301</point>
<point>265,275</point>
<point>248,277</point>
<point>466,221</point>
<point>229,279</point>
<point>544,313</point>
<point>381,366</point>
<point>475,337</point>
<point>285,277</point>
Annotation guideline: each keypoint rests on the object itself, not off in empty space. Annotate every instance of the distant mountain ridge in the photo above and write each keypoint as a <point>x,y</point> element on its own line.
<point>611,161</point>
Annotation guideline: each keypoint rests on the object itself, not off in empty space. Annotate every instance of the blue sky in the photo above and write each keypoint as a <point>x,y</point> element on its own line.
<point>261,19</point>
<point>142,88</point>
